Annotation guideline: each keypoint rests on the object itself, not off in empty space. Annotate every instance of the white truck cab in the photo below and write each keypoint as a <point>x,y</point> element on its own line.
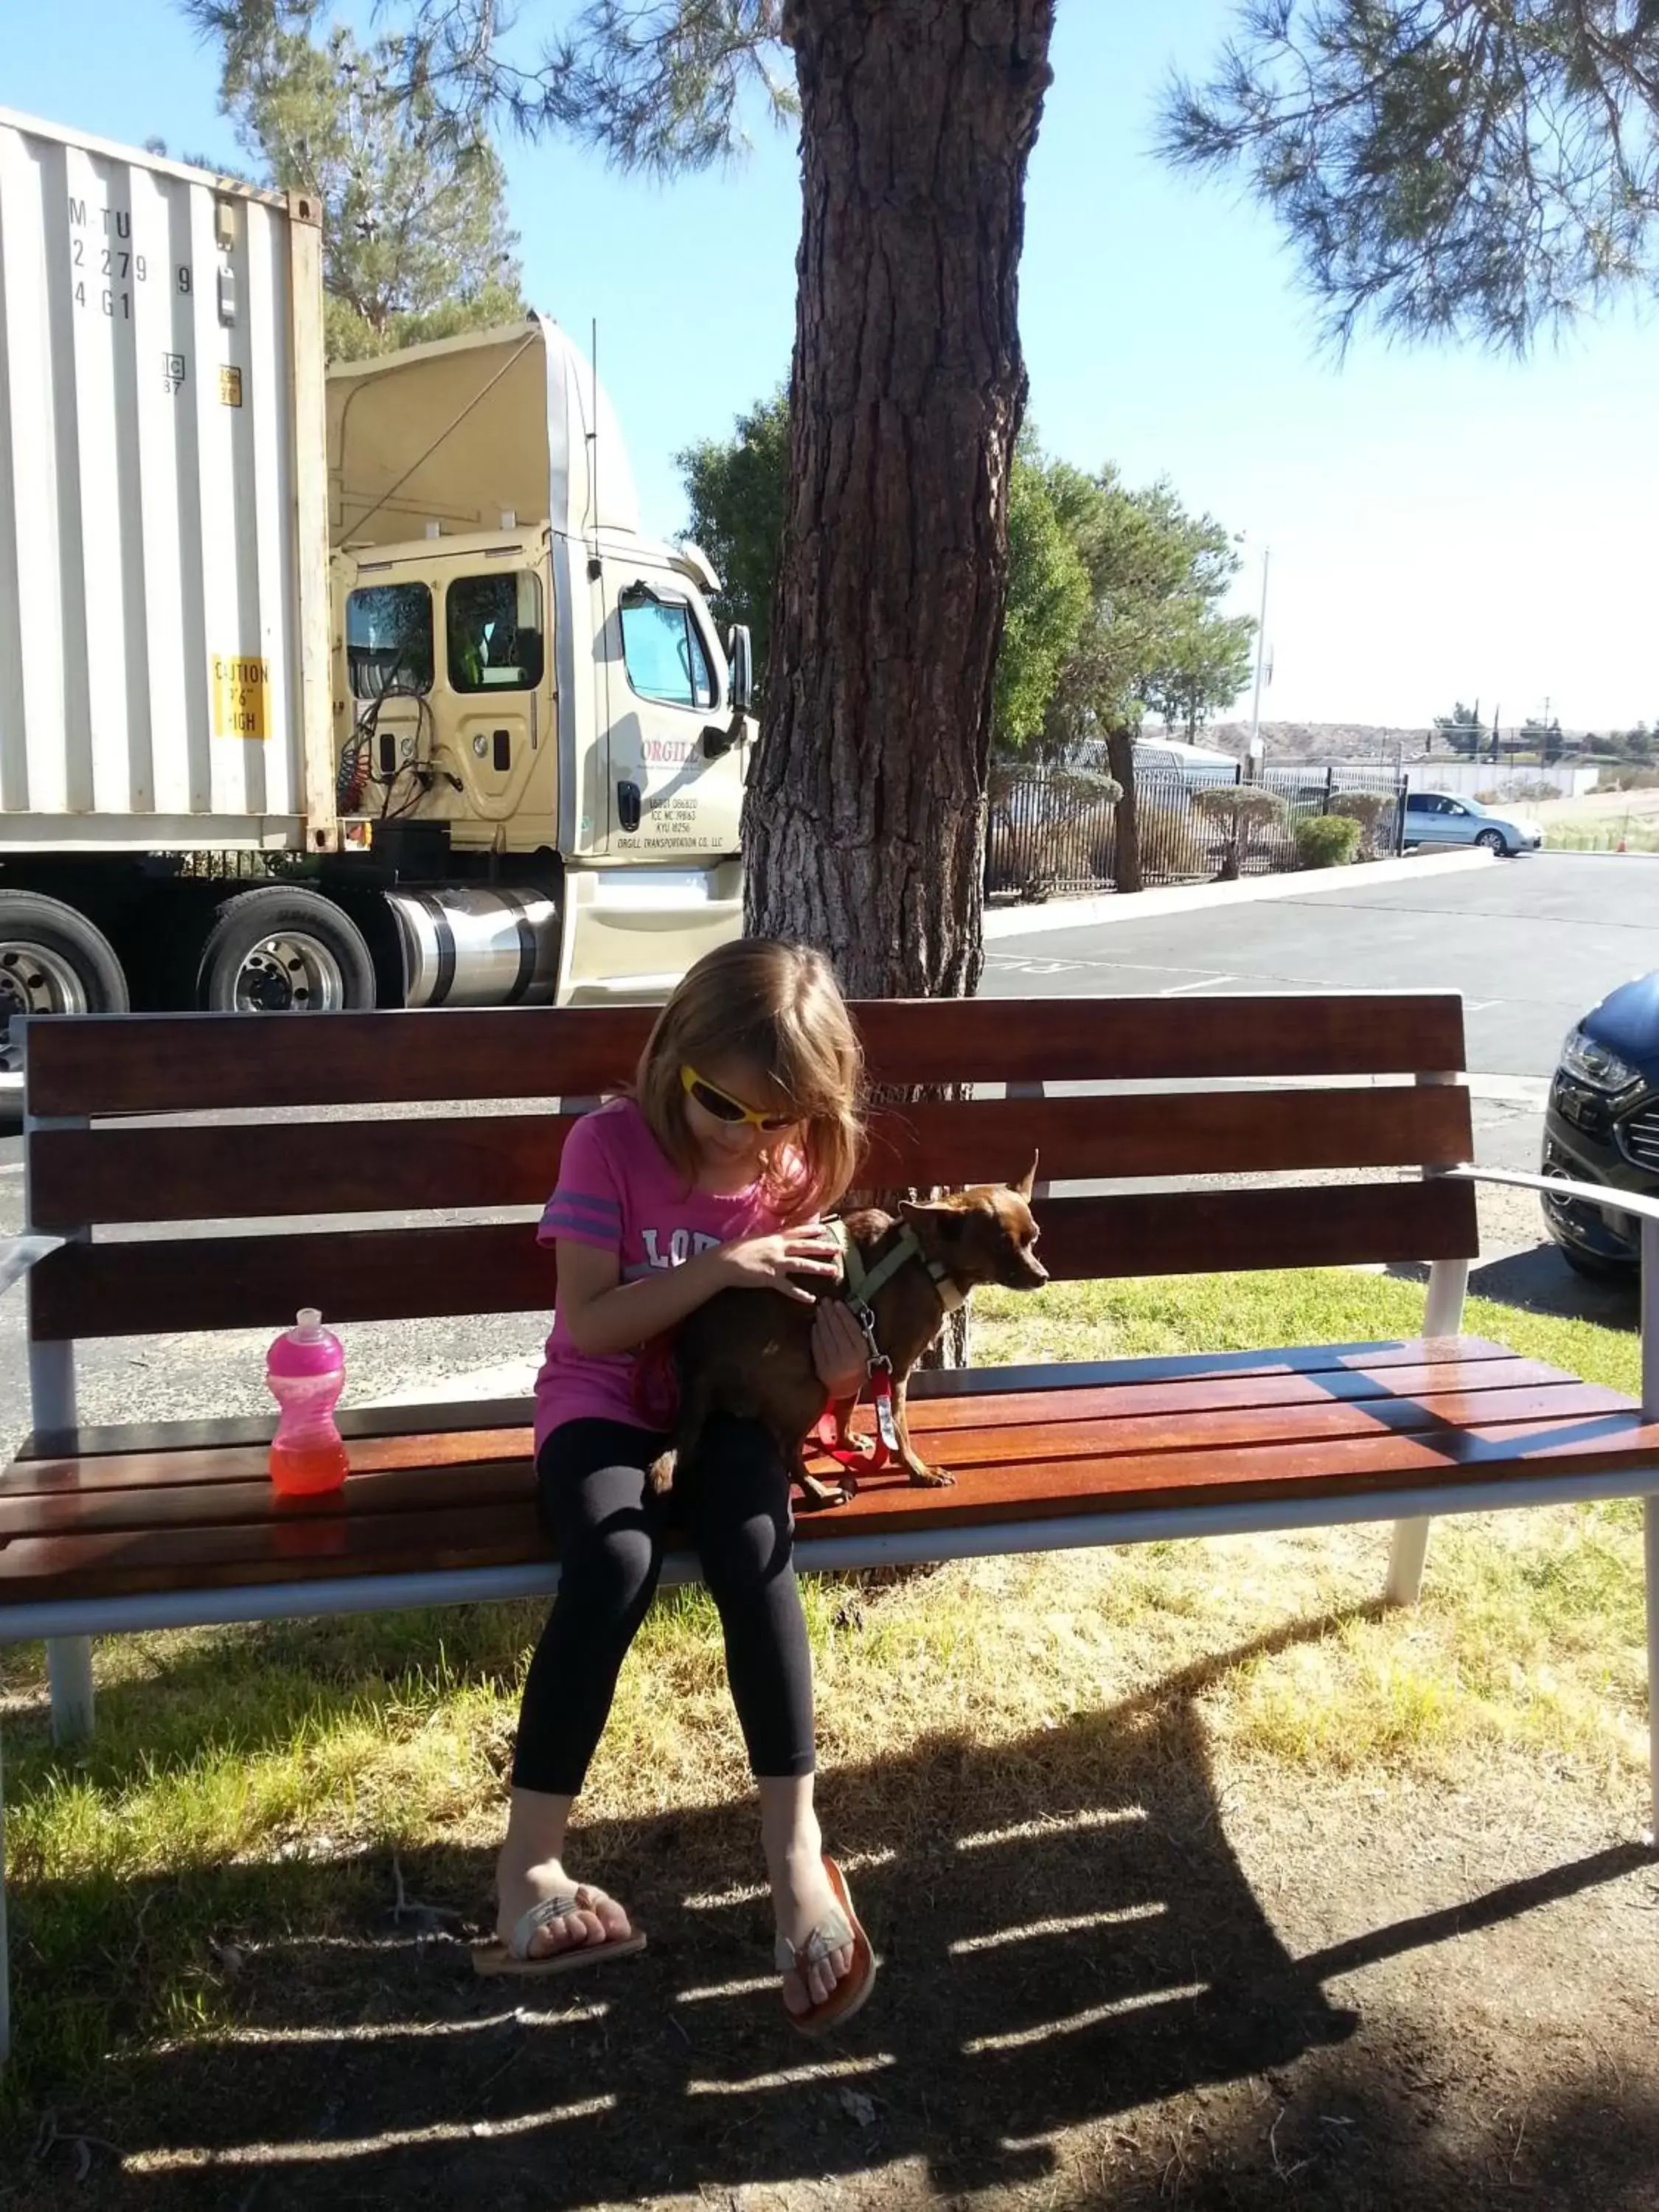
<point>526,674</point>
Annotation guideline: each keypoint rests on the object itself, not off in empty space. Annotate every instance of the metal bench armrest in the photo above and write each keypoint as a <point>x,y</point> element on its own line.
<point>1628,1201</point>
<point>19,1253</point>
<point>1595,1194</point>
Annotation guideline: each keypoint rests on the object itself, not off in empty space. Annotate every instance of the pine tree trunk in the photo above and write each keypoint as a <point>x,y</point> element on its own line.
<point>864,826</point>
<point>1121,759</point>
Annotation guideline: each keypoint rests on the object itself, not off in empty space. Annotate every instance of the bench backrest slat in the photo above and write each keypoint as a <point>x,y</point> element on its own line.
<point>159,1286</point>
<point>145,1064</point>
<point>1349,1096</point>
<point>184,1173</point>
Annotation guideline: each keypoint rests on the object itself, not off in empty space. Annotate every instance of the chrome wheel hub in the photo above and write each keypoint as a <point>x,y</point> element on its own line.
<point>290,973</point>
<point>33,979</point>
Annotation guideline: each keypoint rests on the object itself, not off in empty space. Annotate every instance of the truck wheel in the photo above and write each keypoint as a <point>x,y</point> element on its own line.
<point>52,961</point>
<point>282,950</point>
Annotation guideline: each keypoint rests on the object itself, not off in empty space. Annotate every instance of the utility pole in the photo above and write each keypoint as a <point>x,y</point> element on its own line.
<point>1255,747</point>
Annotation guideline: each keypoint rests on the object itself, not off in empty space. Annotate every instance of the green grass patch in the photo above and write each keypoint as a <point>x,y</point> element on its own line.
<point>1241,1313</point>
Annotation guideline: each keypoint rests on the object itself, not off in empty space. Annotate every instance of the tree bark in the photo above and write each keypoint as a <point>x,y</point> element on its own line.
<point>863,824</point>
<point>1121,759</point>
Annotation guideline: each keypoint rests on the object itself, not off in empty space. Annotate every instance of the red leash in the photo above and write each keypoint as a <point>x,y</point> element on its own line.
<point>866,1455</point>
<point>655,1384</point>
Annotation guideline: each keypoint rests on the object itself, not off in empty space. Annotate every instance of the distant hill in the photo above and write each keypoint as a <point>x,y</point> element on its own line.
<point>1330,741</point>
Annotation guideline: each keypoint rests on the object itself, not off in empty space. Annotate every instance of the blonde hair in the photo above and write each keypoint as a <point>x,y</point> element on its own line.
<point>779,1005</point>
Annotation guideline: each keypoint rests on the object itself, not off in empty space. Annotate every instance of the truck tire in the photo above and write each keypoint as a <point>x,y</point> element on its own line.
<point>283,948</point>
<point>52,961</point>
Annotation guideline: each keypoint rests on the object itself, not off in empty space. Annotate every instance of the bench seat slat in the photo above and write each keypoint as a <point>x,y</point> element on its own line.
<point>937,1422</point>
<point>504,1535</point>
<point>498,1469</point>
<point>474,1507</point>
<point>131,1288</point>
<point>1333,1360</point>
<point>139,1064</point>
<point>193,1173</point>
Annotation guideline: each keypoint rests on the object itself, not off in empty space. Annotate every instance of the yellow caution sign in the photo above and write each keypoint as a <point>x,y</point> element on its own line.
<point>241,690</point>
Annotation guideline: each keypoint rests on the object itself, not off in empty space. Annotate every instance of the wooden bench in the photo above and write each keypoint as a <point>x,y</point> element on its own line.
<point>109,1529</point>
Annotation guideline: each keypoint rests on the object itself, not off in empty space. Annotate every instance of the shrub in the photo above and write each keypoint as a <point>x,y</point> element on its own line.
<point>1022,859</point>
<point>1047,825</point>
<point>1518,787</point>
<point>1241,811</point>
<point>1374,812</point>
<point>1164,810</point>
<point>1327,841</point>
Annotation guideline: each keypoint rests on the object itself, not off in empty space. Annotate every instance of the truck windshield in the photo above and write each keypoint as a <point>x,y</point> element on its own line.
<point>389,640</point>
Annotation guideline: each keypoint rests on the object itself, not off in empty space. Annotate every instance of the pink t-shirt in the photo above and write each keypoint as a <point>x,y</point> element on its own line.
<point>618,1192</point>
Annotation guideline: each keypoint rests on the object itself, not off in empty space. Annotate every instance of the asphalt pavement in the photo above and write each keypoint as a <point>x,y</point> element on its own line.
<point>1530,943</point>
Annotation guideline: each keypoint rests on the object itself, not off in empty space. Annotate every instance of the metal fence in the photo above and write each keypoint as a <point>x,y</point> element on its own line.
<point>1051,830</point>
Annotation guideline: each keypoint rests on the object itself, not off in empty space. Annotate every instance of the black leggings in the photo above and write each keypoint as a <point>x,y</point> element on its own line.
<point>609,1526</point>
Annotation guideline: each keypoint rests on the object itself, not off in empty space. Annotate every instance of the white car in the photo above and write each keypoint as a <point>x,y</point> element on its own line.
<point>1434,817</point>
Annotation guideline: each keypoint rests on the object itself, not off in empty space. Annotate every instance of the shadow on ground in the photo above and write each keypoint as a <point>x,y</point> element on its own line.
<point>1541,1280</point>
<point>1109,1960</point>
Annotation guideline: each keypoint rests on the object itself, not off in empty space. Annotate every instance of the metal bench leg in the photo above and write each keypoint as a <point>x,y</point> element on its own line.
<point>69,1665</point>
<point>1650,1504</point>
<point>1448,1284</point>
<point>5,1965</point>
<point>68,1658</point>
<point>1407,1552</point>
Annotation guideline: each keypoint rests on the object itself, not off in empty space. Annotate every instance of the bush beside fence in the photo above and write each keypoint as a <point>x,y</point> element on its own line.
<point>1055,830</point>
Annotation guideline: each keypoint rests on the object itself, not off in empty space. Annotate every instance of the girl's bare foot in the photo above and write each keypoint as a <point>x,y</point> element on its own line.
<point>802,1900</point>
<point>594,1917</point>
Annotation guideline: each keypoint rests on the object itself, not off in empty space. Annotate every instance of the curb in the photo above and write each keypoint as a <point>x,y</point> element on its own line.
<point>1186,898</point>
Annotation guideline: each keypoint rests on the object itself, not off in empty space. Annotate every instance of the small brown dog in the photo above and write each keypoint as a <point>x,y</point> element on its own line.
<point>750,1352</point>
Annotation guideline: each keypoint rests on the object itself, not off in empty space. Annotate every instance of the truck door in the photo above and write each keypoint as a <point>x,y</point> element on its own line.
<point>494,667</point>
<point>390,667</point>
<point>675,786</point>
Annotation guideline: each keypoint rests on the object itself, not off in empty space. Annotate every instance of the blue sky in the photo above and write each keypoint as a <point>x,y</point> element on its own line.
<point>1441,523</point>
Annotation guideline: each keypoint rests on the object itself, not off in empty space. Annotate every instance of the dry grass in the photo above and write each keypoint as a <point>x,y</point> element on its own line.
<point>1600,821</point>
<point>1607,833</point>
<point>262,1759</point>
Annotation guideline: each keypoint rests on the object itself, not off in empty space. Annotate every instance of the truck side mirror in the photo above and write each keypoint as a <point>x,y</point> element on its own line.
<point>741,654</point>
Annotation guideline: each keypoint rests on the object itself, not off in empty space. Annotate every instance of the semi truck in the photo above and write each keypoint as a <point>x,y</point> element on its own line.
<point>326,686</point>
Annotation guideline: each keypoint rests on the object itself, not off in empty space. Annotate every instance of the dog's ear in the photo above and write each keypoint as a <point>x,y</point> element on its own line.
<point>1023,1186</point>
<point>942,1215</point>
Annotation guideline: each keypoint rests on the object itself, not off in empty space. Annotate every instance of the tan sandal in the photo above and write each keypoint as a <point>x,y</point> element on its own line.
<point>515,1956</point>
<point>838,1928</point>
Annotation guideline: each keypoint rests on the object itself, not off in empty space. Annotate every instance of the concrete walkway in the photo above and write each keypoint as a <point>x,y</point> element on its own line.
<point>1002,921</point>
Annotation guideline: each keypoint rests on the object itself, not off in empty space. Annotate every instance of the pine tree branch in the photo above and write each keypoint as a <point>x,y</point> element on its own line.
<point>1442,166</point>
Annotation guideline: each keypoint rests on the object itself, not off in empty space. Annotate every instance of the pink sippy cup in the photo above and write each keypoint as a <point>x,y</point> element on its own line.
<point>305,1371</point>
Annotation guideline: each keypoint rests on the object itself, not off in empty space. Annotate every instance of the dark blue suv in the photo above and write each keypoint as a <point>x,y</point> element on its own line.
<point>1602,1126</point>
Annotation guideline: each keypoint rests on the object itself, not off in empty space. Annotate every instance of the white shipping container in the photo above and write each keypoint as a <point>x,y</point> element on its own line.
<point>163,558</point>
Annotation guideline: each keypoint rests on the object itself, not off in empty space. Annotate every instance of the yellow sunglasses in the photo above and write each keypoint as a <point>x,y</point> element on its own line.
<point>724,1107</point>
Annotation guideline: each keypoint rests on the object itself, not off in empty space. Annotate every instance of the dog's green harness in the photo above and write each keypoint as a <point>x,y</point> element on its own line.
<point>862,1285</point>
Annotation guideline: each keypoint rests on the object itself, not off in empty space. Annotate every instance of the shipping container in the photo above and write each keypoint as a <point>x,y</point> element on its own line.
<point>481,747</point>
<point>164,629</point>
